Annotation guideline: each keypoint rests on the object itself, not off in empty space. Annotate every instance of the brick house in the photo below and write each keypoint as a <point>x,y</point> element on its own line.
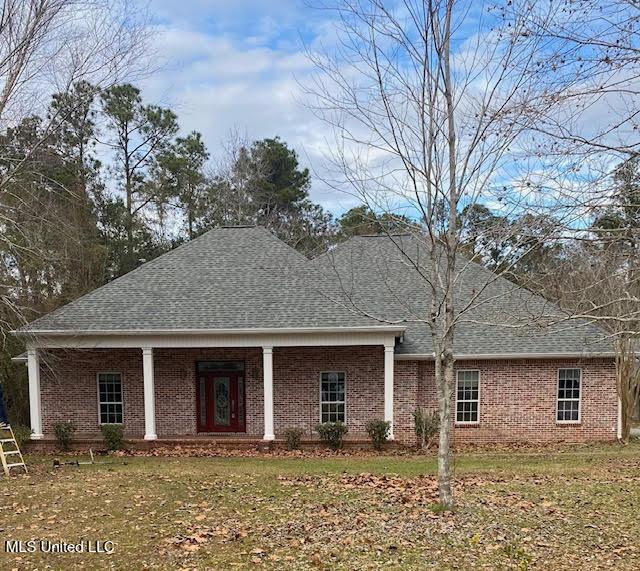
<point>234,335</point>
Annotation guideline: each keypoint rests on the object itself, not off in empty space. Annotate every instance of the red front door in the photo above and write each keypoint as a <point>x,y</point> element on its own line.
<point>220,401</point>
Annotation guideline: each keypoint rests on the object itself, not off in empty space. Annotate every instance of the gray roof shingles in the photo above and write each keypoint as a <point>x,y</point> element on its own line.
<point>388,277</point>
<point>245,278</point>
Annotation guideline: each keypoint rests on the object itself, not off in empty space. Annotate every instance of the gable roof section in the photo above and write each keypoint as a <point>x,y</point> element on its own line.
<point>387,278</point>
<point>228,278</point>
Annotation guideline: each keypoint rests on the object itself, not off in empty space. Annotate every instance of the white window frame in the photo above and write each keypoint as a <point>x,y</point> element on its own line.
<point>579,399</point>
<point>467,422</point>
<point>334,402</point>
<point>121,402</point>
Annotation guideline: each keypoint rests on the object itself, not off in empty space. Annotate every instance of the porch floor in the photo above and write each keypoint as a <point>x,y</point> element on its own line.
<point>84,442</point>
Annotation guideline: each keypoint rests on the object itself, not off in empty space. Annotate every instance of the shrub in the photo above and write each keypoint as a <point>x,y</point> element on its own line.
<point>427,425</point>
<point>378,431</point>
<point>64,434</point>
<point>293,437</point>
<point>332,433</point>
<point>113,435</point>
<point>22,434</point>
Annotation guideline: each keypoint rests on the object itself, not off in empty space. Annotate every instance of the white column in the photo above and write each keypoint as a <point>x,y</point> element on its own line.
<point>149,395</point>
<point>388,386</point>
<point>267,370</point>
<point>35,407</point>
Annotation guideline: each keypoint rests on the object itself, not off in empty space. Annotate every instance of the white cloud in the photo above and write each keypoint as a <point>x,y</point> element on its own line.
<point>219,80</point>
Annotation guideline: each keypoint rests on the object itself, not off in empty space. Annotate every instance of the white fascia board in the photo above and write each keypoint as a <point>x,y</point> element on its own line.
<point>505,356</point>
<point>295,338</point>
<point>253,331</point>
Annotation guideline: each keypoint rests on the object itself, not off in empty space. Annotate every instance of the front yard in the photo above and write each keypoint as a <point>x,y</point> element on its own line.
<point>572,508</point>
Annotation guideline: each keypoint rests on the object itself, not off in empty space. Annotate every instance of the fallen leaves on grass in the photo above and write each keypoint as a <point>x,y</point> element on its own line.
<point>422,490</point>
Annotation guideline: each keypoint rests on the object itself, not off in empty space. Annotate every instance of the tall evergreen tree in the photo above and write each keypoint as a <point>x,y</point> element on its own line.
<point>179,177</point>
<point>139,134</point>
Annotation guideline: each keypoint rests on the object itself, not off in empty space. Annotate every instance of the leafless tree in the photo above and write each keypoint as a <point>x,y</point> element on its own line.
<point>47,47</point>
<point>435,106</point>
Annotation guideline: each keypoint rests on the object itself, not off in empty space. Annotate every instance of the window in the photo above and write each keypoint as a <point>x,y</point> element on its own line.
<point>332,399</point>
<point>569,395</point>
<point>468,397</point>
<point>110,398</point>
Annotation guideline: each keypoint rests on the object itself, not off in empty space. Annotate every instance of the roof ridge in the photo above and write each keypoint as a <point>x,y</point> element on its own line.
<point>153,262</point>
<point>288,246</point>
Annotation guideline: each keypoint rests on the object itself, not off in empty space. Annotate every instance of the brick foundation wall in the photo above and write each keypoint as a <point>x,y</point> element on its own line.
<point>517,398</point>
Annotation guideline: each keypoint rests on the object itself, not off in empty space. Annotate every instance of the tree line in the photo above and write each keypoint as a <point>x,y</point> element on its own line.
<point>103,181</point>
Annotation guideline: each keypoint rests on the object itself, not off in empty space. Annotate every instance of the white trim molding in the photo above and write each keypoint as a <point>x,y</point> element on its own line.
<point>505,356</point>
<point>239,331</point>
<point>191,340</point>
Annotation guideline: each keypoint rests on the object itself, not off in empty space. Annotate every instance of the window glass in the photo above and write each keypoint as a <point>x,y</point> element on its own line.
<point>110,398</point>
<point>204,366</point>
<point>569,381</point>
<point>332,397</point>
<point>467,396</point>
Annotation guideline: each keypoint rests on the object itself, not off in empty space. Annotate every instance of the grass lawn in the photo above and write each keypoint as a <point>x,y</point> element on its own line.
<point>572,508</point>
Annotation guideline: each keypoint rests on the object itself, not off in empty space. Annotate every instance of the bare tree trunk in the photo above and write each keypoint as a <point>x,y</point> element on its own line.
<point>445,460</point>
<point>628,383</point>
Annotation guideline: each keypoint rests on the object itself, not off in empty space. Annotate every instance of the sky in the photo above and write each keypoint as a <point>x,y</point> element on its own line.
<point>236,65</point>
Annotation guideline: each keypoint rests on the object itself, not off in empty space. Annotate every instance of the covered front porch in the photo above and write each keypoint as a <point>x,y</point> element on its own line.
<point>231,388</point>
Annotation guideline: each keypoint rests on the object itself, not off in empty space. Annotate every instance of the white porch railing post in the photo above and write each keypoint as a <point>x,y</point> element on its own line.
<point>388,386</point>
<point>35,407</point>
<point>149,395</point>
<point>267,370</point>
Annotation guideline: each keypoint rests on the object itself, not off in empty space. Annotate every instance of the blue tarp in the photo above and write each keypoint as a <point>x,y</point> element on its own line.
<point>4,417</point>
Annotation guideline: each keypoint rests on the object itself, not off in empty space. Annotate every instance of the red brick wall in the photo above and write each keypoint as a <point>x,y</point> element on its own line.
<point>69,389</point>
<point>296,385</point>
<point>517,398</point>
<point>518,401</point>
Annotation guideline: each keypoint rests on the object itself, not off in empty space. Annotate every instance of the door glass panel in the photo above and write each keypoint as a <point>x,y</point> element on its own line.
<point>203,401</point>
<point>241,401</point>
<point>208,366</point>
<point>222,416</point>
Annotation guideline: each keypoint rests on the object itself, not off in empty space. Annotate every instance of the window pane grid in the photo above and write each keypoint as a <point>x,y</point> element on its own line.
<point>332,397</point>
<point>110,398</point>
<point>569,395</point>
<point>467,396</point>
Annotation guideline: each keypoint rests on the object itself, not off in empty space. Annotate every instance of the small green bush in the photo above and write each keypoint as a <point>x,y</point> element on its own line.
<point>113,435</point>
<point>64,434</point>
<point>293,437</point>
<point>332,433</point>
<point>378,431</point>
<point>22,434</point>
<point>427,425</point>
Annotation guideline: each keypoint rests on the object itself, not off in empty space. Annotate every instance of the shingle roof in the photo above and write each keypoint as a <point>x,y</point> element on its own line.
<point>388,278</point>
<point>228,278</point>
<point>245,278</point>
